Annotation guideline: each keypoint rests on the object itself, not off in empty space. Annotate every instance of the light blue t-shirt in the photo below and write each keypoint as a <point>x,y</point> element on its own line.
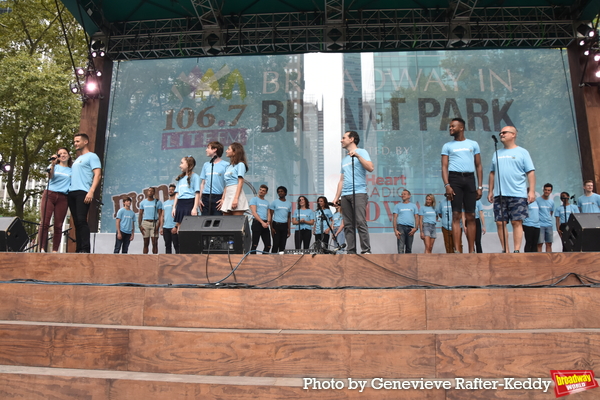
<point>429,215</point>
<point>461,155</point>
<point>82,171</point>
<point>281,210</point>
<point>534,215</point>
<point>478,208</point>
<point>360,173</point>
<point>127,218</point>
<point>150,208</point>
<point>560,212</point>
<point>406,213</point>
<point>168,214</point>
<point>444,210</point>
<point>185,190</point>
<point>328,216</point>
<point>262,205</point>
<point>589,204</point>
<point>514,166</point>
<point>218,177</point>
<point>338,218</point>
<point>233,172</point>
<point>546,211</point>
<point>61,180</point>
<point>305,214</point>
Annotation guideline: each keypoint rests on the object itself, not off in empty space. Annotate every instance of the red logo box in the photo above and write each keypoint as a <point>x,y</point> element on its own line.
<point>572,381</point>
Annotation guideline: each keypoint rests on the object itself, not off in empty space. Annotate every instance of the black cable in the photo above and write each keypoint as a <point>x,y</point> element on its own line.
<point>62,24</point>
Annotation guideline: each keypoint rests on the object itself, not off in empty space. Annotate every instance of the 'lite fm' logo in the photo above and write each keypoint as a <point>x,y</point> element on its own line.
<point>199,85</point>
<point>568,382</point>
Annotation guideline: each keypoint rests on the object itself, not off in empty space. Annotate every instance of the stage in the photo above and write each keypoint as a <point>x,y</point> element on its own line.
<point>150,327</point>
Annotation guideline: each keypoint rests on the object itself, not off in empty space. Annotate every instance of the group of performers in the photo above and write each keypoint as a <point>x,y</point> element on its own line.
<point>218,190</point>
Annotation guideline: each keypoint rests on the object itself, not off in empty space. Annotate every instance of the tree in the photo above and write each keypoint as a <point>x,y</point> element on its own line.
<point>38,113</point>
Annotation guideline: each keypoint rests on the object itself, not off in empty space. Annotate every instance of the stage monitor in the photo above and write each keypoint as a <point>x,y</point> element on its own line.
<point>13,236</point>
<point>215,234</point>
<point>582,233</point>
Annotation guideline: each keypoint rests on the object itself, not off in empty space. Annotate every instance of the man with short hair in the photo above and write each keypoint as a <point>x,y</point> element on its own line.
<point>351,192</point>
<point>150,218</point>
<point>167,224</point>
<point>259,206</point>
<point>405,222</point>
<point>563,212</point>
<point>546,211</point>
<point>213,179</point>
<point>515,174</point>
<point>590,201</point>
<point>461,159</point>
<point>125,227</point>
<point>85,178</point>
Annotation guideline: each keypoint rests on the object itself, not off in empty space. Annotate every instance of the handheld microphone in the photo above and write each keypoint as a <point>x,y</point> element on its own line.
<point>330,204</point>
<point>495,138</point>
<point>52,158</point>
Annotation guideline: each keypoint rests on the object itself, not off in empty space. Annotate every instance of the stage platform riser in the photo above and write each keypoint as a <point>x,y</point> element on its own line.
<point>304,309</point>
<point>376,270</point>
<point>298,354</point>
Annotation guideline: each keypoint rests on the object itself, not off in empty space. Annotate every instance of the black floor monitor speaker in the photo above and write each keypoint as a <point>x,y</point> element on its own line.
<point>582,233</point>
<point>214,234</point>
<point>13,236</point>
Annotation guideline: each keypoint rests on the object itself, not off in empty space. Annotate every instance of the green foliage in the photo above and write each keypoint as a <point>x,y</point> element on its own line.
<point>38,113</point>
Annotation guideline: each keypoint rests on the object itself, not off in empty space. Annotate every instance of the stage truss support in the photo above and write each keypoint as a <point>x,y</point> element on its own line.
<point>349,30</point>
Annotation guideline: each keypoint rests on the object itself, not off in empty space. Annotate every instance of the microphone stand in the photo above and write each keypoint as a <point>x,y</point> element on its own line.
<point>504,238</point>
<point>212,167</point>
<point>353,205</point>
<point>43,211</point>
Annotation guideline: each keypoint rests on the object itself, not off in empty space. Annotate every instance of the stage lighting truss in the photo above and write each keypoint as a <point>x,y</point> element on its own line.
<point>4,166</point>
<point>588,38</point>
<point>339,29</point>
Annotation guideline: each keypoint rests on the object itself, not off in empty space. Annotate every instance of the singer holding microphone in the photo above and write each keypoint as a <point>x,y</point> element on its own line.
<point>511,173</point>
<point>54,200</point>
<point>85,178</point>
<point>213,180</point>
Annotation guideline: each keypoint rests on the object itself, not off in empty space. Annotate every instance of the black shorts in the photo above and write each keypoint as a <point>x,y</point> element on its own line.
<point>465,192</point>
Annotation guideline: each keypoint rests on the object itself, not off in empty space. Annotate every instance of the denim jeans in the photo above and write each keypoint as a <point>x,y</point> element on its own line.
<point>405,241</point>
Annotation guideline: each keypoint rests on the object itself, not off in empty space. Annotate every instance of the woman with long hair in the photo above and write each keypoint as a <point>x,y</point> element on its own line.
<point>55,200</point>
<point>427,220</point>
<point>304,218</point>
<point>187,192</point>
<point>321,228</point>
<point>234,199</point>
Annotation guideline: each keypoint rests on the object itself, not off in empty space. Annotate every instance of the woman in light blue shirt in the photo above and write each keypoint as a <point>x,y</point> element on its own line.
<point>427,221</point>
<point>54,200</point>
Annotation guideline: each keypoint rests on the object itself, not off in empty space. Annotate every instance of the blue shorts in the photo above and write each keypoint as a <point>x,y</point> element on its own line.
<point>429,230</point>
<point>515,209</point>
<point>546,234</point>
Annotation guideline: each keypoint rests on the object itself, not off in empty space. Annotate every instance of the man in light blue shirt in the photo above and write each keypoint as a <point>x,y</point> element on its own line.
<point>85,178</point>
<point>590,201</point>
<point>125,227</point>
<point>508,188</point>
<point>150,218</point>
<point>259,206</point>
<point>546,210</point>
<point>352,195</point>
<point>405,222</point>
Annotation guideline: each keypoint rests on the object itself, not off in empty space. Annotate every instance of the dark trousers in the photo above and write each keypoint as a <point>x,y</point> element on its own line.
<point>211,209</point>
<point>79,213</point>
<point>57,204</point>
<point>279,236</point>
<point>170,239</point>
<point>258,232</point>
<point>302,238</point>
<point>478,233</point>
<point>123,243</point>
<point>531,238</point>
<point>324,240</point>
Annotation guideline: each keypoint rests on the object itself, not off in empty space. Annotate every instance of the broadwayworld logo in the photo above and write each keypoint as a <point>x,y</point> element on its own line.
<point>572,381</point>
<point>202,85</point>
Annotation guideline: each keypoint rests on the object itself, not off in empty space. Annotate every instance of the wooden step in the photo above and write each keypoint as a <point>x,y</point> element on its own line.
<point>304,309</point>
<point>376,270</point>
<point>294,353</point>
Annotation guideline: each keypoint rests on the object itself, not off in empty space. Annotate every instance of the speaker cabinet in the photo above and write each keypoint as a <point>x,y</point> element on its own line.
<point>13,236</point>
<point>582,233</point>
<point>214,234</point>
